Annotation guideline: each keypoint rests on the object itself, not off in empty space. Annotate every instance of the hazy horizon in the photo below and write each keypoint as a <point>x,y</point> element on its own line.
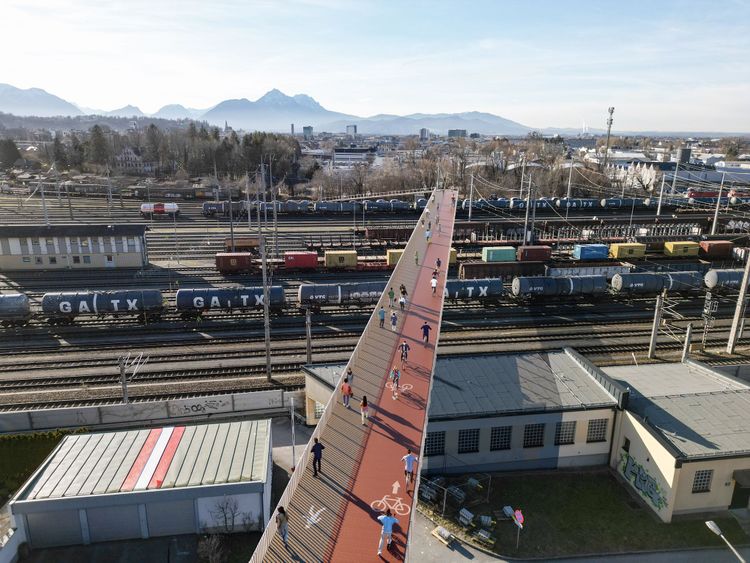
<point>672,66</point>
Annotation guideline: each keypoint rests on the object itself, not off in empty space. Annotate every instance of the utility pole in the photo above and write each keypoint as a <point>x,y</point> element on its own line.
<point>718,203</point>
<point>70,205</point>
<point>570,180</point>
<point>523,175</point>
<point>661,194</point>
<point>266,312</point>
<point>291,416</point>
<point>231,217</point>
<point>526,218</point>
<point>44,204</point>
<point>247,203</point>
<point>674,178</point>
<point>686,348</point>
<point>124,363</point>
<point>109,194</point>
<point>609,131</point>
<point>471,195</point>
<point>739,311</point>
<point>532,202</point>
<point>257,197</point>
<point>275,217</point>
<point>658,310</point>
<point>308,331</point>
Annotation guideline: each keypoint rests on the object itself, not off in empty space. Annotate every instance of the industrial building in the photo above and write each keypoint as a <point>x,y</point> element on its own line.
<point>307,132</point>
<point>683,442</point>
<point>32,247</point>
<point>135,484</point>
<point>506,411</point>
<point>349,156</point>
<point>458,133</point>
<point>351,130</point>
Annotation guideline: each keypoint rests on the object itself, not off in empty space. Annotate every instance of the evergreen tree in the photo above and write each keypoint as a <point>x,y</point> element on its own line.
<point>58,151</point>
<point>76,154</point>
<point>9,153</point>
<point>98,146</point>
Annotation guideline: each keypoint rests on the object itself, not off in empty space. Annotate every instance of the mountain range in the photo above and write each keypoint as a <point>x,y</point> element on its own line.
<point>274,111</point>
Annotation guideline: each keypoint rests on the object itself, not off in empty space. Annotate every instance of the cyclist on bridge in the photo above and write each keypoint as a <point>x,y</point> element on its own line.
<point>404,347</point>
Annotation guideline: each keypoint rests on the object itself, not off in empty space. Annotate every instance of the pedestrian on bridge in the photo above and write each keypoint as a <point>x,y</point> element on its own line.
<point>416,257</point>
<point>453,200</point>
<point>438,263</point>
<point>391,296</point>
<point>386,533</point>
<point>427,235</point>
<point>317,452</point>
<point>410,461</point>
<point>364,410</point>
<point>433,284</point>
<point>404,348</point>
<point>426,333</point>
<point>395,377</point>
<point>402,302</point>
<point>394,321</point>
<point>282,523</point>
<point>346,392</point>
<point>381,314</point>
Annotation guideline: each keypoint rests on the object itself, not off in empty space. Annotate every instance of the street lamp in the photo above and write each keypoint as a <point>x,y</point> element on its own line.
<point>716,530</point>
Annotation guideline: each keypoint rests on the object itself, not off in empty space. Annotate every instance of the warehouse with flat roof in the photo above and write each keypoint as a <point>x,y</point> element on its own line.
<point>501,412</point>
<point>78,246</point>
<point>134,484</point>
<point>683,443</point>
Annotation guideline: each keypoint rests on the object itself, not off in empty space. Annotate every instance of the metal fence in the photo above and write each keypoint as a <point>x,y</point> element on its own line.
<point>448,495</point>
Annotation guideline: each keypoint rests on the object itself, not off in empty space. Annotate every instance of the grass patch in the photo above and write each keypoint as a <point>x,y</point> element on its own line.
<point>20,455</point>
<point>575,513</point>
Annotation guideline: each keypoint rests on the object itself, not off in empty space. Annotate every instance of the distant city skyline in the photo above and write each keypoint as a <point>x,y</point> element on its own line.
<point>677,66</point>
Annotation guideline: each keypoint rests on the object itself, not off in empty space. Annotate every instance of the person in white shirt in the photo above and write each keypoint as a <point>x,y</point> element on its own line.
<point>409,462</point>
<point>386,534</point>
<point>433,284</point>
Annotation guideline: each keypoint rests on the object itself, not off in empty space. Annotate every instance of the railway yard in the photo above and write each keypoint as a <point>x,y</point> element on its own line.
<point>49,365</point>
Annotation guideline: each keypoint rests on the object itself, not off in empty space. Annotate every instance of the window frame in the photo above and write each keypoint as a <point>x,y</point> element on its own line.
<point>565,429</point>
<point>538,428</point>
<point>430,449</point>
<point>700,483</point>
<point>498,439</point>
<point>469,442</point>
<point>590,431</point>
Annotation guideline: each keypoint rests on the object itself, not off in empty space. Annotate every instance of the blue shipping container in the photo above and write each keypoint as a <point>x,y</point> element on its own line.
<point>590,252</point>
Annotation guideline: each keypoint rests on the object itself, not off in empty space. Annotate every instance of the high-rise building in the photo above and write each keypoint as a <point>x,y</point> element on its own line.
<point>292,129</point>
<point>457,132</point>
<point>307,132</point>
<point>424,134</point>
<point>351,130</point>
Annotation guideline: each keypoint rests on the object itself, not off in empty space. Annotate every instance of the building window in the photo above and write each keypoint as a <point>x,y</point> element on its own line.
<point>565,433</point>
<point>434,443</point>
<point>84,242</point>
<point>500,438</point>
<point>26,259</point>
<point>597,430</point>
<point>87,259</point>
<point>533,436</point>
<point>49,242</point>
<point>52,260</point>
<point>35,242</point>
<point>702,480</point>
<point>38,260</point>
<point>76,259</point>
<point>626,445</point>
<point>319,409</point>
<point>468,441</point>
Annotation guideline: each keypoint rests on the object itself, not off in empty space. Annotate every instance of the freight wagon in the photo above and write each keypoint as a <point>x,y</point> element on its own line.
<point>506,271</point>
<point>151,210</point>
<point>64,307</point>
<point>653,283</point>
<point>192,303</point>
<point>543,286</point>
<point>14,309</point>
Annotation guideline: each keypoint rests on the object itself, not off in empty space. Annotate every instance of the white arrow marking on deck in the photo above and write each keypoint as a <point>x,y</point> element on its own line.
<point>314,517</point>
<point>396,487</point>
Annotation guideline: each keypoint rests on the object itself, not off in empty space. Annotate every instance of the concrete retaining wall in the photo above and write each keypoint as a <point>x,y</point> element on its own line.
<point>171,411</point>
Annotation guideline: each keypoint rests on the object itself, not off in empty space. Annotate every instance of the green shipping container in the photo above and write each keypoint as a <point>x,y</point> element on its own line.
<point>499,254</point>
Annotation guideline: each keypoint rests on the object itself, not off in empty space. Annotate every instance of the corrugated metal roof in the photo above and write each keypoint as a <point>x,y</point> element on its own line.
<point>138,460</point>
<point>487,385</point>
<point>697,411</point>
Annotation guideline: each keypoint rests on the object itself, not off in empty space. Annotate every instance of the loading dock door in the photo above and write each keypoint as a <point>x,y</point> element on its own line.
<point>741,494</point>
<point>114,523</point>
<point>50,529</point>
<point>171,518</point>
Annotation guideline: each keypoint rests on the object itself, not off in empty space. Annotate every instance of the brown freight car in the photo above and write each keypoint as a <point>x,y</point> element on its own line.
<point>243,244</point>
<point>503,270</point>
<point>235,262</point>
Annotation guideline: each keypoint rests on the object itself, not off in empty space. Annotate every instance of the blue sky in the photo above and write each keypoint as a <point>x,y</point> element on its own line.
<point>663,65</point>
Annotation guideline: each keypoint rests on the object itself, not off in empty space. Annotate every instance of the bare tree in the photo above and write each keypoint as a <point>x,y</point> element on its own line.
<point>226,513</point>
<point>211,549</point>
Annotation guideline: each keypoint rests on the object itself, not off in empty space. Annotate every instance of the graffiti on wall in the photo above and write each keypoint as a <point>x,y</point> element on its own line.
<point>642,481</point>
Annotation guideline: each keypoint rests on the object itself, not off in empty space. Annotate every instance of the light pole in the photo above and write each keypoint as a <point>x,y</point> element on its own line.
<point>716,530</point>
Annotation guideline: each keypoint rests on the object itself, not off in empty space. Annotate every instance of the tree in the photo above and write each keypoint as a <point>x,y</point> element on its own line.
<point>153,140</point>
<point>9,153</point>
<point>98,146</point>
<point>76,154</point>
<point>58,151</point>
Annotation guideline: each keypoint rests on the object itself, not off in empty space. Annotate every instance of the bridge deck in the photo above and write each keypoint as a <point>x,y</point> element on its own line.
<point>333,517</point>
